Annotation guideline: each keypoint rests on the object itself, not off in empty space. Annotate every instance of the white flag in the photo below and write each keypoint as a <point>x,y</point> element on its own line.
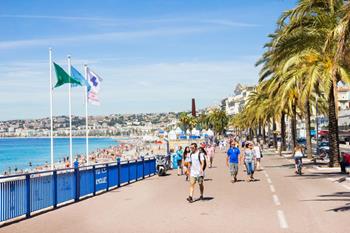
<point>95,83</point>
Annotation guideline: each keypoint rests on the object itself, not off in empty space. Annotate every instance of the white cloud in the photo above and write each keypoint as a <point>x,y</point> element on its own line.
<point>101,37</point>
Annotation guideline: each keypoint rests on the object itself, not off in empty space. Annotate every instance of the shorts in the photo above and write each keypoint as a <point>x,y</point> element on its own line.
<point>195,179</point>
<point>297,159</point>
<point>179,163</point>
<point>233,169</point>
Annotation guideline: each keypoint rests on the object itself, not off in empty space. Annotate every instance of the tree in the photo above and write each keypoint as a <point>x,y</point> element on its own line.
<point>219,120</point>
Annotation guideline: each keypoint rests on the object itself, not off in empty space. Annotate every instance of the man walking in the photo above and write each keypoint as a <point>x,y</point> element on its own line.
<point>232,160</point>
<point>197,166</point>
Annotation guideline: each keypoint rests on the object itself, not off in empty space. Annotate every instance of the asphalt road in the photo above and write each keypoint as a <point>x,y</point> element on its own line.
<point>278,201</point>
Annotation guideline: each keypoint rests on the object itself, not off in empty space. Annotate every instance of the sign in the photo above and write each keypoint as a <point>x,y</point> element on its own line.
<point>101,178</point>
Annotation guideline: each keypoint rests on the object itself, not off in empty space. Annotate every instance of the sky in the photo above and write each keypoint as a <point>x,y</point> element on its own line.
<point>153,55</point>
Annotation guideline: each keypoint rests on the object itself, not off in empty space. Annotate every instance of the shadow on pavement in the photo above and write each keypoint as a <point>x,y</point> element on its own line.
<point>319,175</point>
<point>204,199</point>
<point>338,196</point>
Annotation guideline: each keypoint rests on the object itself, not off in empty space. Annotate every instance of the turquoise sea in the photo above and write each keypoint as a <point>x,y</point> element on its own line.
<point>18,152</point>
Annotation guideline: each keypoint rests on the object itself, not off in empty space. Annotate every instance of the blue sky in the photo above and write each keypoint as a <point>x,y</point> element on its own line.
<point>154,55</point>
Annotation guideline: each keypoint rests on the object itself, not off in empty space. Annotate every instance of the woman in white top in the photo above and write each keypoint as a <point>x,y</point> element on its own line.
<point>258,154</point>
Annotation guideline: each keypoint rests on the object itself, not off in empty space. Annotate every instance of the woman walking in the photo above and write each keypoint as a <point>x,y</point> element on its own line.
<point>250,160</point>
<point>211,152</point>
<point>258,154</point>
<point>186,161</point>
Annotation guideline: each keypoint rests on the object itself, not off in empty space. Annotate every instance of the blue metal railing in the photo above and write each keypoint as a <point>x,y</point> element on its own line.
<point>21,195</point>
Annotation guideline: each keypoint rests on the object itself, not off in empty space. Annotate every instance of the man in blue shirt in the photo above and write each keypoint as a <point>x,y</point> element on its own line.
<point>232,160</point>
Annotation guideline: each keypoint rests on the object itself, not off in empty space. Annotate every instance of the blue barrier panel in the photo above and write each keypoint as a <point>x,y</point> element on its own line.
<point>65,186</point>
<point>139,169</point>
<point>101,178</point>
<point>13,202</point>
<point>41,192</point>
<point>86,182</point>
<point>124,169</point>
<point>132,171</point>
<point>113,175</point>
<point>146,167</point>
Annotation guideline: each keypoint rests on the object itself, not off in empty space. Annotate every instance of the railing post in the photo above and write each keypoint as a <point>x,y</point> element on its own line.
<point>128,172</point>
<point>77,184</point>
<point>143,167</point>
<point>94,178</point>
<point>28,195</point>
<point>54,189</point>
<point>119,167</point>
<point>107,167</point>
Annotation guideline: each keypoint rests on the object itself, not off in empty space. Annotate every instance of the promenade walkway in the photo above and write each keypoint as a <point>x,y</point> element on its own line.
<point>278,202</point>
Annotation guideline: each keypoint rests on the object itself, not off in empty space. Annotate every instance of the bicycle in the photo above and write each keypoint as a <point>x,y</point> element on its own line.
<point>299,164</point>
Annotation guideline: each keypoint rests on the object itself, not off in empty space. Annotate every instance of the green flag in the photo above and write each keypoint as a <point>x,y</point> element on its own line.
<point>63,77</point>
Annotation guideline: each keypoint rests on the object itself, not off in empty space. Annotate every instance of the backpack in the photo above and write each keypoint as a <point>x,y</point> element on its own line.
<point>205,160</point>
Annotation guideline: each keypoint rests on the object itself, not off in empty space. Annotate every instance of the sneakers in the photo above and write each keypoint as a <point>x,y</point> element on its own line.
<point>190,199</point>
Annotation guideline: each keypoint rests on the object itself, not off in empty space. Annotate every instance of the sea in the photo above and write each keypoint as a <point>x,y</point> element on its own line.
<point>19,152</point>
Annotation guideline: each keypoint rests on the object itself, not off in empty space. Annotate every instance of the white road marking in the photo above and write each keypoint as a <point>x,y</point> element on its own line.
<point>282,219</point>
<point>346,186</point>
<point>276,200</point>
<point>269,181</point>
<point>267,176</point>
<point>272,188</point>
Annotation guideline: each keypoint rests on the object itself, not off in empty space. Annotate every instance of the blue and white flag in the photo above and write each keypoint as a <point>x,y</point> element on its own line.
<point>95,83</point>
<point>77,76</point>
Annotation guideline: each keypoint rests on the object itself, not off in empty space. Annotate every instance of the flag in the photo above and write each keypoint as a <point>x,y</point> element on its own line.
<point>77,76</point>
<point>95,82</point>
<point>63,77</point>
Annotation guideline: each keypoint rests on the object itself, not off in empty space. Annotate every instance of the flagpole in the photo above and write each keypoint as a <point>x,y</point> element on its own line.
<point>51,117</point>
<point>86,117</point>
<point>70,112</point>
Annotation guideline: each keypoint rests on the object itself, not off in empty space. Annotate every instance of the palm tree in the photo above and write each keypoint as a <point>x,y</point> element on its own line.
<point>184,120</point>
<point>219,120</point>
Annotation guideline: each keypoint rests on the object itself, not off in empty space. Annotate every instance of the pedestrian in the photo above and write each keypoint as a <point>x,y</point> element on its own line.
<point>196,171</point>
<point>76,164</point>
<point>249,160</point>
<point>258,154</point>
<point>298,154</point>
<point>179,155</point>
<point>186,161</point>
<point>232,160</point>
<point>211,152</point>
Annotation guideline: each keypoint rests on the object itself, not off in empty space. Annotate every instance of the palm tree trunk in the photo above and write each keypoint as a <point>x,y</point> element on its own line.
<point>333,129</point>
<point>259,128</point>
<point>308,129</point>
<point>274,128</point>
<point>264,134</point>
<point>283,132</point>
<point>294,126</point>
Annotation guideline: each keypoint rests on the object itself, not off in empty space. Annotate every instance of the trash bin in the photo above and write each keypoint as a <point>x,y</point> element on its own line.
<point>344,161</point>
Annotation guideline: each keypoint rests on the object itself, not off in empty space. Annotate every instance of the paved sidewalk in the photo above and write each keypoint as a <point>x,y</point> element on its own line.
<point>278,202</point>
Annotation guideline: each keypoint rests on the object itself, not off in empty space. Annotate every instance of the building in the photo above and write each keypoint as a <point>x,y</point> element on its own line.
<point>344,98</point>
<point>235,103</point>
